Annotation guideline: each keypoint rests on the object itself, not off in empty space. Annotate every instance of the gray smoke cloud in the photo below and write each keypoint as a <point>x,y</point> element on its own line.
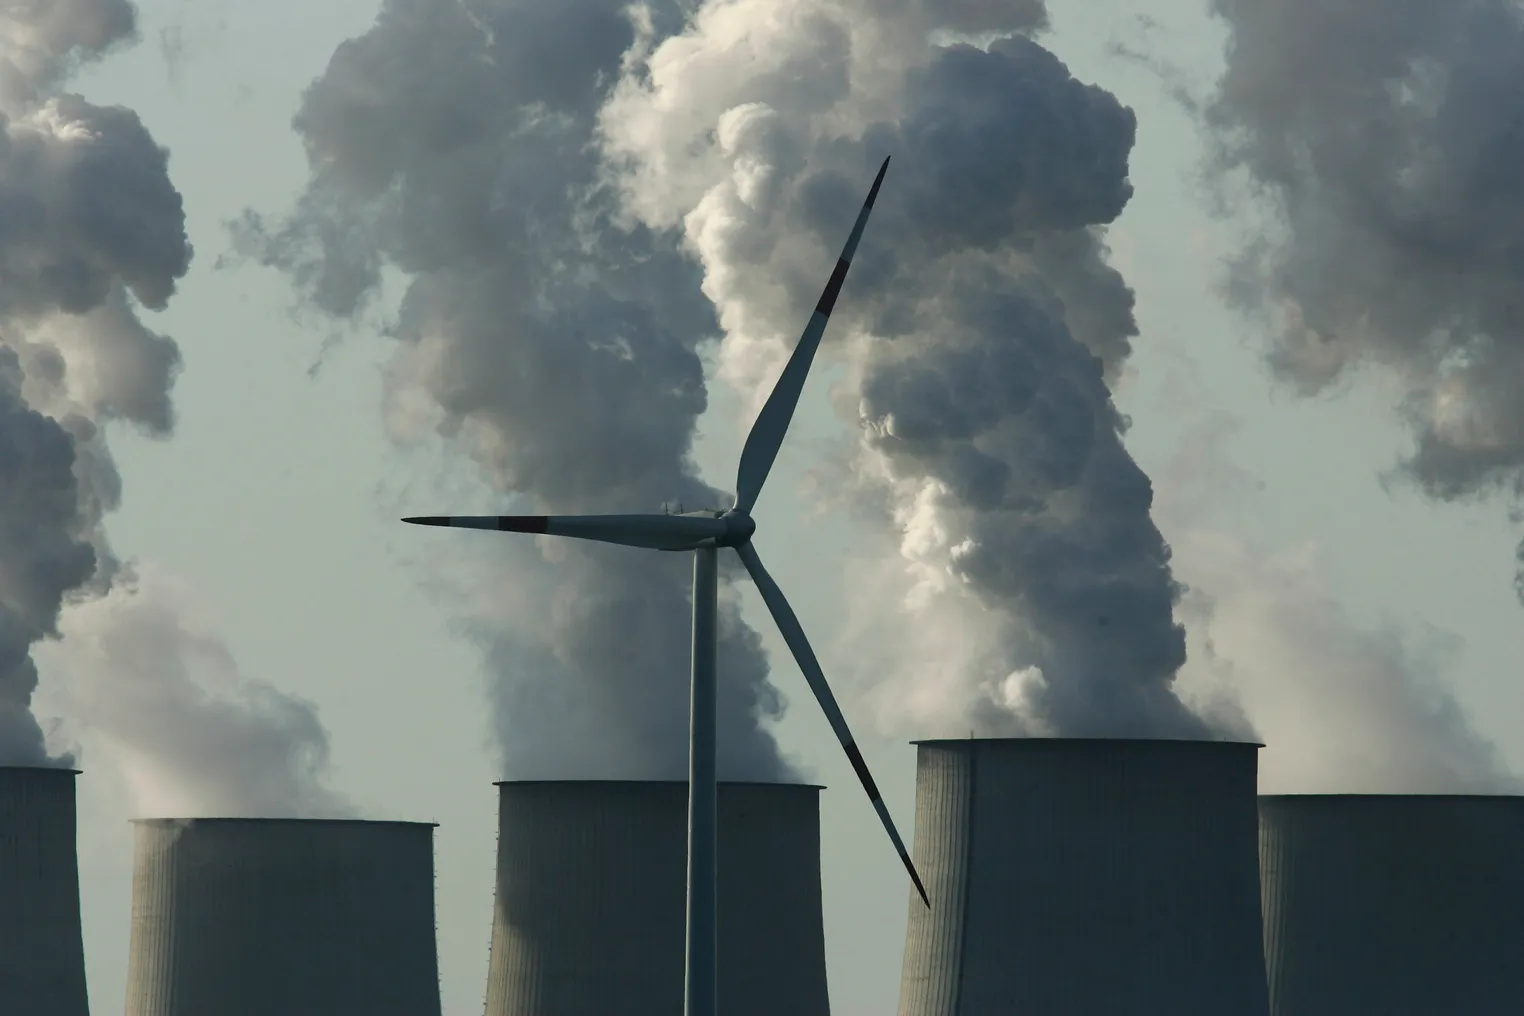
<point>89,223</point>
<point>455,143</point>
<point>1388,137</point>
<point>91,228</point>
<point>980,327</point>
<point>41,41</point>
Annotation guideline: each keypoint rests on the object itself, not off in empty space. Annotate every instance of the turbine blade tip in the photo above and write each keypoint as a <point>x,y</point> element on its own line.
<point>878,181</point>
<point>428,520</point>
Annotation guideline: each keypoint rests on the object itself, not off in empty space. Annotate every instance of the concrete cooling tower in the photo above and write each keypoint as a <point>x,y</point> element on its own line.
<point>1397,905</point>
<point>1085,878</point>
<point>42,953</point>
<point>591,887</point>
<point>282,917</point>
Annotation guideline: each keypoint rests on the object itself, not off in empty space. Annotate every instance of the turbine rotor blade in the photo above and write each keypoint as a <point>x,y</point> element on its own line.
<point>772,422</point>
<point>652,532</point>
<point>793,635</point>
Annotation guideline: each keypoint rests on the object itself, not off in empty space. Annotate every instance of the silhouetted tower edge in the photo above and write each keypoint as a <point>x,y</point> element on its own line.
<point>1393,904</point>
<point>1085,877</point>
<point>249,917</point>
<point>42,954</point>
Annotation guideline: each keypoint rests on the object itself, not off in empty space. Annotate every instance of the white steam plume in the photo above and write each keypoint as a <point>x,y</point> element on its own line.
<point>1343,706</point>
<point>981,325</point>
<point>162,697</point>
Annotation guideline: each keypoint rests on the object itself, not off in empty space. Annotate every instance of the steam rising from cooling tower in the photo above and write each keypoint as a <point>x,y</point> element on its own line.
<point>92,225</point>
<point>455,143</point>
<point>590,889</point>
<point>1405,905</point>
<point>461,147</point>
<point>156,686</point>
<point>1389,136</point>
<point>984,324</point>
<point>42,955</point>
<point>1089,878</point>
<point>1343,705</point>
<point>245,917</point>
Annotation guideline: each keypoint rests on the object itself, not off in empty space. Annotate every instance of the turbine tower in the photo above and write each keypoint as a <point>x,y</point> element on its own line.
<point>703,533</point>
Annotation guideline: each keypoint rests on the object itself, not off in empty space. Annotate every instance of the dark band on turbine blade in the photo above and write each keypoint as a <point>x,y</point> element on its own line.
<point>856,758</point>
<point>833,287</point>
<point>839,273</point>
<point>861,767</point>
<point>522,523</point>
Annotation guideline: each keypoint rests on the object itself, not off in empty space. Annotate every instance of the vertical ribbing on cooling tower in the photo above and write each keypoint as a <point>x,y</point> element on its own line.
<point>588,919</point>
<point>259,917</point>
<point>1398,905</point>
<point>1085,878</point>
<point>42,955</point>
<point>943,798</point>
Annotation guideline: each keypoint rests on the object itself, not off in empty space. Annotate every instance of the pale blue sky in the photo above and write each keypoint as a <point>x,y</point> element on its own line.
<point>278,498</point>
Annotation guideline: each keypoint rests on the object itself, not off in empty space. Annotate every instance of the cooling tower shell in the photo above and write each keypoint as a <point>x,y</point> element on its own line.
<point>259,917</point>
<point>1085,878</point>
<point>1402,905</point>
<point>591,889</point>
<point>42,953</point>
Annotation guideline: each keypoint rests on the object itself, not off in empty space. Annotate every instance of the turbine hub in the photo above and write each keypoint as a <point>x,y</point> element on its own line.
<point>738,528</point>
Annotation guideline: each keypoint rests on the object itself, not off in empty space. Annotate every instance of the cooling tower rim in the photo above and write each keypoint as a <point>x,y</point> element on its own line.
<point>652,783</point>
<point>228,820</point>
<point>62,770</point>
<point>1396,796</point>
<point>943,742</point>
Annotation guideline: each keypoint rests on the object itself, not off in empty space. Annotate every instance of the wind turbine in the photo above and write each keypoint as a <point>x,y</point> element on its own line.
<point>703,533</point>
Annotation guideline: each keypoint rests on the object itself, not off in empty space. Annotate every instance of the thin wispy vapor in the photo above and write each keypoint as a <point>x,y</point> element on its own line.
<point>1342,707</point>
<point>1343,704</point>
<point>159,693</point>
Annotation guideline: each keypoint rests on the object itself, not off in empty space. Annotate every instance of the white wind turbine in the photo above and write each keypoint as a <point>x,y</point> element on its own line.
<point>703,533</point>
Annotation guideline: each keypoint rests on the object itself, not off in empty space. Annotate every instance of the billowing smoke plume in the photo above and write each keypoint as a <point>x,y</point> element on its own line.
<point>1390,136</point>
<point>160,694</point>
<point>42,40</point>
<point>89,222</point>
<point>980,325</point>
<point>91,227</point>
<point>455,142</point>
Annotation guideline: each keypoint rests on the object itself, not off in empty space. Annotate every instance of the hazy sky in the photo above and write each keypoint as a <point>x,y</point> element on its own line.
<point>1327,597</point>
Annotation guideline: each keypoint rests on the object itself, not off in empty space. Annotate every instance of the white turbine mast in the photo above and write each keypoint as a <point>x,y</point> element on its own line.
<point>703,533</point>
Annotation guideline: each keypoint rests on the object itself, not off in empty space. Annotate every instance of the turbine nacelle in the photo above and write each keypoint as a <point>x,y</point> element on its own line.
<point>739,528</point>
